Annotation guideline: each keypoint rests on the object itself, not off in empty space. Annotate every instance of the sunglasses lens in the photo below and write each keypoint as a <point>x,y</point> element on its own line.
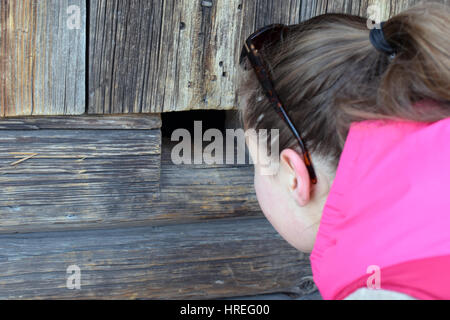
<point>268,36</point>
<point>265,36</point>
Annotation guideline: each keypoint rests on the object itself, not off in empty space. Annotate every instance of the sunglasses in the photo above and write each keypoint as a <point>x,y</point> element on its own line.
<point>270,35</point>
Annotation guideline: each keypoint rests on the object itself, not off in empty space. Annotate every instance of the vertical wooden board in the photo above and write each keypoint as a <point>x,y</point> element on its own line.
<point>124,43</point>
<point>182,54</point>
<point>386,9</point>
<point>42,60</point>
<point>167,55</point>
<point>400,5</point>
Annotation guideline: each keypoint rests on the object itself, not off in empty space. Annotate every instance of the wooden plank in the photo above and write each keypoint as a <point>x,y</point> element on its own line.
<point>204,192</point>
<point>167,55</point>
<point>187,193</point>
<point>206,260</point>
<point>42,60</point>
<point>124,55</point>
<point>53,178</point>
<point>105,122</point>
<point>386,9</point>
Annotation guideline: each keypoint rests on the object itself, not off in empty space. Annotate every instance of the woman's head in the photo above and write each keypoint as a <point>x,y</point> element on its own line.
<point>328,75</point>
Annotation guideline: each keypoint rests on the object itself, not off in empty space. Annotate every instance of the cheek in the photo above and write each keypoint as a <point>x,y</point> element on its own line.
<point>274,204</point>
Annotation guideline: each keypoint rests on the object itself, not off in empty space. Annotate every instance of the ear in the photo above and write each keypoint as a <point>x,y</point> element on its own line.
<point>297,178</point>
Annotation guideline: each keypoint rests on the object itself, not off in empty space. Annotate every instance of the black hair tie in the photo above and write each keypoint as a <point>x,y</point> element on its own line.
<point>379,41</point>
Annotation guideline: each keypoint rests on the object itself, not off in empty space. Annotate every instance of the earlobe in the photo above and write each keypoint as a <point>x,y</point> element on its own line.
<point>299,180</point>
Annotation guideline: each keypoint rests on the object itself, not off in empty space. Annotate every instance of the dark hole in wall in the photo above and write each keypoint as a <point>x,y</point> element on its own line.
<point>172,121</point>
<point>210,119</point>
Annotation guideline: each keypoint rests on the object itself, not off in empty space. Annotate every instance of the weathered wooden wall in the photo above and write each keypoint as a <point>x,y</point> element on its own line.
<point>167,55</point>
<point>203,260</point>
<point>138,56</point>
<point>188,59</point>
<point>42,61</point>
<point>97,192</point>
<point>92,172</point>
<point>108,173</point>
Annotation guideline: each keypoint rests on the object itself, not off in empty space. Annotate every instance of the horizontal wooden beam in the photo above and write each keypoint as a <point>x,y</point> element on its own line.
<point>204,192</point>
<point>88,122</point>
<point>204,260</point>
<point>72,179</point>
<point>51,179</point>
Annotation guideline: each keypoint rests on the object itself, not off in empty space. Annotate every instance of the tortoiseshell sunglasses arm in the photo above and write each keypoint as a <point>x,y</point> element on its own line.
<point>264,78</point>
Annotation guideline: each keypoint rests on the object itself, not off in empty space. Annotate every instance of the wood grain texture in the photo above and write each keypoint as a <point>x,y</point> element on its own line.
<point>123,44</point>
<point>53,178</point>
<point>113,192</point>
<point>207,260</point>
<point>204,192</point>
<point>42,61</point>
<point>104,122</point>
<point>167,55</point>
<point>386,9</point>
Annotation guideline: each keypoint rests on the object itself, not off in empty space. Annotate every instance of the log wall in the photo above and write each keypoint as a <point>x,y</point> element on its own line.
<point>99,193</point>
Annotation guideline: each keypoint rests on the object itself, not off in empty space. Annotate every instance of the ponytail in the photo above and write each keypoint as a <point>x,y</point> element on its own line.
<point>421,68</point>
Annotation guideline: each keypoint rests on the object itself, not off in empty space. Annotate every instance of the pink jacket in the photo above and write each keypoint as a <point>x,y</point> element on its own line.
<point>388,208</point>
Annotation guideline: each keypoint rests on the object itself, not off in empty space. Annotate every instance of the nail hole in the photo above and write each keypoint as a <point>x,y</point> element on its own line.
<point>221,63</point>
<point>224,74</point>
<point>182,25</point>
<point>240,7</point>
